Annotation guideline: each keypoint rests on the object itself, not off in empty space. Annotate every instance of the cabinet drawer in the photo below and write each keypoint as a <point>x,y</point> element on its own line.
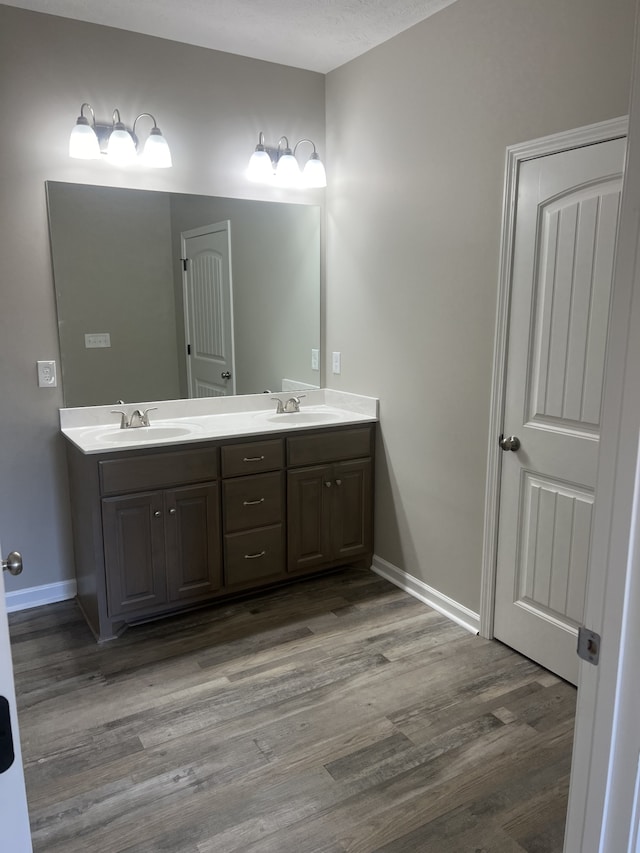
<point>330,446</point>
<point>137,473</point>
<point>253,556</point>
<point>252,458</point>
<point>253,501</point>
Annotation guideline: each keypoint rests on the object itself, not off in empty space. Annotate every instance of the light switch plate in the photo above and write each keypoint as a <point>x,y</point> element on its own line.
<point>47,374</point>
<point>315,359</point>
<point>336,362</point>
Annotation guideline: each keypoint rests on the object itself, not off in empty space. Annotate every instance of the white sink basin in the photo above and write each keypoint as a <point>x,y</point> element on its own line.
<point>145,434</point>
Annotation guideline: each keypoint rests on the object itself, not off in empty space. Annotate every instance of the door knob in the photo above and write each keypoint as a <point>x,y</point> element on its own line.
<point>510,443</point>
<point>13,563</point>
<point>226,374</point>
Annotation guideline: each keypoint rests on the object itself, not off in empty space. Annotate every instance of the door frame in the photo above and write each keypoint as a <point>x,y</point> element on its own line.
<point>515,156</point>
<point>222,225</point>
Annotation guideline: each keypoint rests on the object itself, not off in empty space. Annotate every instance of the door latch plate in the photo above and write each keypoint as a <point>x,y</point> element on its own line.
<point>589,645</point>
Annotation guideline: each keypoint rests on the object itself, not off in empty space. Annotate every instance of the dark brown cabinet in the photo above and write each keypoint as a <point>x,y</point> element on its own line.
<point>161,547</point>
<point>330,505</point>
<point>253,511</point>
<point>329,514</point>
<point>158,530</point>
<point>134,553</point>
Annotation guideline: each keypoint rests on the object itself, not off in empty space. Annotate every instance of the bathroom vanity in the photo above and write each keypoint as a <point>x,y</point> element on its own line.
<point>210,501</point>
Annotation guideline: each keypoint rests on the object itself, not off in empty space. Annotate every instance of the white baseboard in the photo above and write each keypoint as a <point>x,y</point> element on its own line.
<point>427,595</point>
<point>36,596</point>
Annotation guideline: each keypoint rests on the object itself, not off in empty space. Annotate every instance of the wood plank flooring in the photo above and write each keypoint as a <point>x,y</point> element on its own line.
<point>338,714</point>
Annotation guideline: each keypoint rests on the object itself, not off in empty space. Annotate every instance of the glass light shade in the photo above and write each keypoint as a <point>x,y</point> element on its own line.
<point>313,174</point>
<point>156,152</point>
<point>83,142</point>
<point>121,149</point>
<point>260,168</point>
<point>288,171</point>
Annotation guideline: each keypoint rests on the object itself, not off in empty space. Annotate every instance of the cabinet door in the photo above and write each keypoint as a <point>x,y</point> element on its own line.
<point>308,516</point>
<point>351,509</point>
<point>134,552</point>
<point>193,544</point>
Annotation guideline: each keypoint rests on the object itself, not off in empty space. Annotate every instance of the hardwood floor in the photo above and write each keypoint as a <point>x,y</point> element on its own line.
<point>335,715</point>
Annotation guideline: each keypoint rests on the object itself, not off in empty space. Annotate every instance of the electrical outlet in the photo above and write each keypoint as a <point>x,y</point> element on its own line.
<point>98,339</point>
<point>335,361</point>
<point>315,359</point>
<point>47,374</point>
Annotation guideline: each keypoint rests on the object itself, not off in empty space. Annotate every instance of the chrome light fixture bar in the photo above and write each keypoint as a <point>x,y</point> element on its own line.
<point>89,141</point>
<point>279,165</point>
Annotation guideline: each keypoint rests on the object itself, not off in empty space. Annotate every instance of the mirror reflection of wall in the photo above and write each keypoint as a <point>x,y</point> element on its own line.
<point>117,271</point>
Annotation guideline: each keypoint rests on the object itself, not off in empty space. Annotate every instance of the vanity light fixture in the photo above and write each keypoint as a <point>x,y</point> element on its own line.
<point>279,165</point>
<point>88,141</point>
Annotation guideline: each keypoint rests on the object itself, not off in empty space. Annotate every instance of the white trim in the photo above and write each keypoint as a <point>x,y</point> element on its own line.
<point>427,595</point>
<point>515,155</point>
<point>36,596</point>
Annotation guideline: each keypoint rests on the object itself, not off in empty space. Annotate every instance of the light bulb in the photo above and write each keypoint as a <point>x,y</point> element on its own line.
<point>313,174</point>
<point>156,152</point>
<point>83,142</point>
<point>287,170</point>
<point>121,149</point>
<point>260,168</point>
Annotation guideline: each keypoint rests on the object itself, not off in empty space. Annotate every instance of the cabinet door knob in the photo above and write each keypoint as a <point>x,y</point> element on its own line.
<point>157,513</point>
<point>172,511</point>
<point>327,483</point>
<point>338,482</point>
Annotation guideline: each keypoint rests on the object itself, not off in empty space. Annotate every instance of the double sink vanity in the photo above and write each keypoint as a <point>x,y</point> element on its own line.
<point>215,497</point>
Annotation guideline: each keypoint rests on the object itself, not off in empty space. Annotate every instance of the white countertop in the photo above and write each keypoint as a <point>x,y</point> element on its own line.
<point>94,429</point>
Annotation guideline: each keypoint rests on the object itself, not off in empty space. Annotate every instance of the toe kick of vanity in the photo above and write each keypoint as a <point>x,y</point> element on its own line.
<point>157,531</point>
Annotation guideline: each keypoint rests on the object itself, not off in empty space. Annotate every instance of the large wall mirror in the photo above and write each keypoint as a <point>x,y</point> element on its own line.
<point>120,292</point>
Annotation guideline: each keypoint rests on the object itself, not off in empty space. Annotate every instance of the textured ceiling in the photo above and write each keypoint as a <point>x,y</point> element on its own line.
<point>315,34</point>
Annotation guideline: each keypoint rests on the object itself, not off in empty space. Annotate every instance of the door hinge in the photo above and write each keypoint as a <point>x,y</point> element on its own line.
<point>184,263</point>
<point>589,645</point>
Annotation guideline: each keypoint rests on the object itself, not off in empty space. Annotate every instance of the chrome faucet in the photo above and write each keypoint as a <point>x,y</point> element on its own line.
<point>293,403</point>
<point>136,419</point>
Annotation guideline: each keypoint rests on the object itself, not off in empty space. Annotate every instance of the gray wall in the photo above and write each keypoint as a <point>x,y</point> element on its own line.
<point>417,130</point>
<point>210,106</point>
<point>112,263</point>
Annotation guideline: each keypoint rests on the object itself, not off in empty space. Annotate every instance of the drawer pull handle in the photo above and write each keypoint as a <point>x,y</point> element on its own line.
<point>253,503</point>
<point>253,459</point>
<point>254,556</point>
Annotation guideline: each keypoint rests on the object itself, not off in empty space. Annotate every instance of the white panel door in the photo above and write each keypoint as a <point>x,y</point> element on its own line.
<point>208,310</point>
<point>14,818</point>
<point>566,225</point>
